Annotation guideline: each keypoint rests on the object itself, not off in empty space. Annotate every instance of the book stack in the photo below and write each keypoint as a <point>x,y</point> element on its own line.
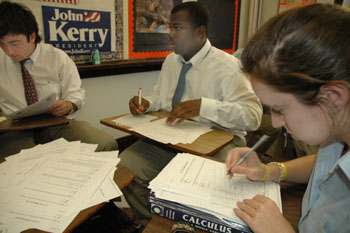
<point>196,190</point>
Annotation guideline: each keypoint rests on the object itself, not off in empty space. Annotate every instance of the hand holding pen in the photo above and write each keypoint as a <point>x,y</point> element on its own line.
<point>137,104</point>
<point>253,168</point>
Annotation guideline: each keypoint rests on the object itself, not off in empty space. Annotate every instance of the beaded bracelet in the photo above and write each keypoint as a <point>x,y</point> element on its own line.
<point>283,170</point>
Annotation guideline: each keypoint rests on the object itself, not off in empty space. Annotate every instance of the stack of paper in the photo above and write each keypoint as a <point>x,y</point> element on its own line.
<point>46,187</point>
<point>202,184</point>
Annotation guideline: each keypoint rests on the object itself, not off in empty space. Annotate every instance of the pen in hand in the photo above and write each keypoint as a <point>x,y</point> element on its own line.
<point>140,96</point>
<point>254,147</point>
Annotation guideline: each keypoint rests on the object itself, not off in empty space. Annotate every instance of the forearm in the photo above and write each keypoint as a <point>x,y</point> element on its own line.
<point>232,114</point>
<point>298,170</point>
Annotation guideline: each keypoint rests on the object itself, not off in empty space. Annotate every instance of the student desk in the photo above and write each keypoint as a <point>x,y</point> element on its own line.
<point>206,145</point>
<point>123,176</point>
<point>29,123</point>
<point>292,195</point>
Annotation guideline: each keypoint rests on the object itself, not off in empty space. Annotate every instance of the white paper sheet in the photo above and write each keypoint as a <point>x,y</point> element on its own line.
<point>132,120</point>
<point>186,132</point>
<point>37,108</point>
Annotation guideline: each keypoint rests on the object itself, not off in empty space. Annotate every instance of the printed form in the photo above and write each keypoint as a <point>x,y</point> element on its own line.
<point>132,120</point>
<point>186,132</point>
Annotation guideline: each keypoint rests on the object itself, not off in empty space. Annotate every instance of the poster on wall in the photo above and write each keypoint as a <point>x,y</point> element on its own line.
<point>148,26</point>
<point>76,31</point>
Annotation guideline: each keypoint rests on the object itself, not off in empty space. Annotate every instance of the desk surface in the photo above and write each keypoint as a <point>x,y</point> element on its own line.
<point>29,123</point>
<point>291,204</point>
<point>123,176</point>
<point>206,145</point>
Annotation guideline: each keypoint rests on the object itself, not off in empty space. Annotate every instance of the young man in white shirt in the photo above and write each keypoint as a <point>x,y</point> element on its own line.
<point>216,92</point>
<point>51,70</point>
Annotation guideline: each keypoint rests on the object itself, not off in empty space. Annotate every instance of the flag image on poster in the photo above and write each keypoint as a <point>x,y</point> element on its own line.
<point>64,1</point>
<point>77,31</point>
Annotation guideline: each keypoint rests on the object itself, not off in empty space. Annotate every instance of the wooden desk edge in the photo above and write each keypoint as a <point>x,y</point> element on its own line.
<point>32,123</point>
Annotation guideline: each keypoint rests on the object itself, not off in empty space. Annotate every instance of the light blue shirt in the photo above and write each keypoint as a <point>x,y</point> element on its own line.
<point>326,202</point>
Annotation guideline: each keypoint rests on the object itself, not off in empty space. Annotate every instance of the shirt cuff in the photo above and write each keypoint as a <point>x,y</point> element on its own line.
<point>208,108</point>
<point>150,109</point>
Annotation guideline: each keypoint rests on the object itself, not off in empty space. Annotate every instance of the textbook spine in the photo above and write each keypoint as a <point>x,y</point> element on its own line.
<point>198,219</point>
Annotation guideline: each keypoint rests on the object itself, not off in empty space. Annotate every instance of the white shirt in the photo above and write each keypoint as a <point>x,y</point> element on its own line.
<point>227,98</point>
<point>52,72</point>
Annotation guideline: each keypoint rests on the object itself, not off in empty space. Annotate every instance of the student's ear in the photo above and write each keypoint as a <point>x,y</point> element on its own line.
<point>32,37</point>
<point>202,31</point>
<point>336,93</point>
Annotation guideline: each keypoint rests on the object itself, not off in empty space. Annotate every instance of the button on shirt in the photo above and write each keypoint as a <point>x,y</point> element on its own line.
<point>52,71</point>
<point>227,98</point>
<point>326,202</point>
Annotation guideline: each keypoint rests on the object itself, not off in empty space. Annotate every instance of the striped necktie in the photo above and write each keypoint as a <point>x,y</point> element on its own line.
<point>41,135</point>
<point>181,84</point>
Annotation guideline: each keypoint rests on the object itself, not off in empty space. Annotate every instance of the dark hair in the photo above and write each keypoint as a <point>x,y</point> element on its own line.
<point>300,50</point>
<point>17,19</point>
<point>198,14</point>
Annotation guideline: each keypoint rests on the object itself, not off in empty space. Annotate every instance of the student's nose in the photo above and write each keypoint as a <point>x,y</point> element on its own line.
<point>171,33</point>
<point>277,120</point>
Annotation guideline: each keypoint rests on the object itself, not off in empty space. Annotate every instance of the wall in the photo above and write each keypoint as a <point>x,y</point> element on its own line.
<point>109,96</point>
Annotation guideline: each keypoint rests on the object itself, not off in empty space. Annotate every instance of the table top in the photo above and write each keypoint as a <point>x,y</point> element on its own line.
<point>205,145</point>
<point>123,176</point>
<point>291,195</point>
<point>28,123</point>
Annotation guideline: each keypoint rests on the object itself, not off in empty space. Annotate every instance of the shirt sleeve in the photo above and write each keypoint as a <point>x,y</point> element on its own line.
<point>239,107</point>
<point>71,83</point>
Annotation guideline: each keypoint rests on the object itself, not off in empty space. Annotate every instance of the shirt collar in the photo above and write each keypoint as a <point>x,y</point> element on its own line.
<point>199,56</point>
<point>35,55</point>
<point>344,164</point>
<point>339,161</point>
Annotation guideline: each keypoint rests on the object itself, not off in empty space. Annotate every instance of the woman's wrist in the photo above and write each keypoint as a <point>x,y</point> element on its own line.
<point>267,174</point>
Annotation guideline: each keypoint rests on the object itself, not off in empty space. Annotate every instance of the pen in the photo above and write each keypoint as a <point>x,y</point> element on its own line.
<point>140,95</point>
<point>254,147</point>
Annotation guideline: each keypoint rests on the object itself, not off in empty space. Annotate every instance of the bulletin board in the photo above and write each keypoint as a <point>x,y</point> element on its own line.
<point>148,27</point>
